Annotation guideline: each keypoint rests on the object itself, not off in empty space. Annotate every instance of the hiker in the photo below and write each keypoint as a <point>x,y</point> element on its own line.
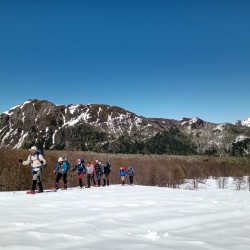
<point>106,172</point>
<point>90,170</point>
<point>122,173</point>
<point>81,170</point>
<point>62,167</point>
<point>37,163</point>
<point>131,174</point>
<point>99,172</point>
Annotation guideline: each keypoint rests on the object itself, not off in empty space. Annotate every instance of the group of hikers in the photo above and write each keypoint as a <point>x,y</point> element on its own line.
<point>91,169</point>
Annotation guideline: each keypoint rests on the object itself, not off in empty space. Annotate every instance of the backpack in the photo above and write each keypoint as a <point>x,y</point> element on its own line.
<point>38,152</point>
<point>131,171</point>
<point>82,160</point>
<point>107,169</point>
<point>83,168</point>
<point>67,162</point>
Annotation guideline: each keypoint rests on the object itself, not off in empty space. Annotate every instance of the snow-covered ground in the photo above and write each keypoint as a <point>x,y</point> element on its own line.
<point>126,217</point>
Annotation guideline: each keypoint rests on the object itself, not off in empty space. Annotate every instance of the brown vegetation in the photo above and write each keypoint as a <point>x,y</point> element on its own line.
<point>155,170</point>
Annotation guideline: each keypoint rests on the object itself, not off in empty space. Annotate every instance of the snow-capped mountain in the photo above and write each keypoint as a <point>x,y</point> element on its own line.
<point>245,122</point>
<point>106,128</point>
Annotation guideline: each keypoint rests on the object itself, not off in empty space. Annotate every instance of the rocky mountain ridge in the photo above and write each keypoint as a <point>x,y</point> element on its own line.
<point>112,129</point>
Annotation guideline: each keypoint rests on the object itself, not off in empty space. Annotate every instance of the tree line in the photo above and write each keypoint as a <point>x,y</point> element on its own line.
<point>153,170</point>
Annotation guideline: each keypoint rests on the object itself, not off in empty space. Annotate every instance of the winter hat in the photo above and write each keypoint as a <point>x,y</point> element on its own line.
<point>60,159</point>
<point>33,148</point>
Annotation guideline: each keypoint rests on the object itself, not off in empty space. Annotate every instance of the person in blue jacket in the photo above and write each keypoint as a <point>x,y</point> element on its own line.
<point>122,173</point>
<point>81,170</point>
<point>61,170</point>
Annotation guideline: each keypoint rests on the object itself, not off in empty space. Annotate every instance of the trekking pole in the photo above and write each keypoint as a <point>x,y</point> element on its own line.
<point>18,173</point>
<point>70,180</point>
<point>17,178</point>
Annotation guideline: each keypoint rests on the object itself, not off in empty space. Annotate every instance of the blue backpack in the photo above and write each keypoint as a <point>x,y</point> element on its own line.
<point>67,162</point>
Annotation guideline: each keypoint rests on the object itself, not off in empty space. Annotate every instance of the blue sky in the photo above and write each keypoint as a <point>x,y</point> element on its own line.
<point>168,59</point>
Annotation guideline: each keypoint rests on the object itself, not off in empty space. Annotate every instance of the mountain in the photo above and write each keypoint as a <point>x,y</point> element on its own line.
<point>245,122</point>
<point>112,129</point>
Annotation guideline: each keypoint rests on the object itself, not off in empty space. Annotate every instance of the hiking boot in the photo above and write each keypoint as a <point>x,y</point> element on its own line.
<point>40,185</point>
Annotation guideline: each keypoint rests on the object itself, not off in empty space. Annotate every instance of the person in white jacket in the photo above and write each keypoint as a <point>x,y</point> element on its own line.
<point>37,162</point>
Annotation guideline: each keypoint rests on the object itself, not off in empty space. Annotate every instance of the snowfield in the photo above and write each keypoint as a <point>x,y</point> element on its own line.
<point>126,217</point>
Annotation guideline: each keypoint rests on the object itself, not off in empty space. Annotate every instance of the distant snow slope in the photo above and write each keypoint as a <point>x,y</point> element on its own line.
<point>126,217</point>
<point>246,122</point>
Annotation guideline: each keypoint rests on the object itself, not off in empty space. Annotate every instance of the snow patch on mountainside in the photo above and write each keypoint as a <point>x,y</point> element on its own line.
<point>240,138</point>
<point>100,110</point>
<point>246,122</point>
<point>82,117</point>
<point>21,140</point>
<point>219,128</point>
<point>3,128</point>
<point>53,137</point>
<point>27,102</point>
<point>193,120</point>
<point>73,108</point>
<point>21,106</point>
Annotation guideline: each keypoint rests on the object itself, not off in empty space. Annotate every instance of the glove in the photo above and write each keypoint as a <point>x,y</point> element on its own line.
<point>20,160</point>
<point>41,162</point>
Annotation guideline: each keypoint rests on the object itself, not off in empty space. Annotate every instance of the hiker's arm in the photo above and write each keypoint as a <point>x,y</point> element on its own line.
<point>27,162</point>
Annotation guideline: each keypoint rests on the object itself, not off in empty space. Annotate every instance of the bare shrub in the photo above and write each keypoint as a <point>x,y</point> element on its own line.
<point>222,182</point>
<point>157,170</point>
<point>239,183</point>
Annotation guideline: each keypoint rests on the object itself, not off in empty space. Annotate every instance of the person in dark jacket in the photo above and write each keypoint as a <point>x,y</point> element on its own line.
<point>81,170</point>
<point>99,172</point>
<point>131,174</point>
<point>106,172</point>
